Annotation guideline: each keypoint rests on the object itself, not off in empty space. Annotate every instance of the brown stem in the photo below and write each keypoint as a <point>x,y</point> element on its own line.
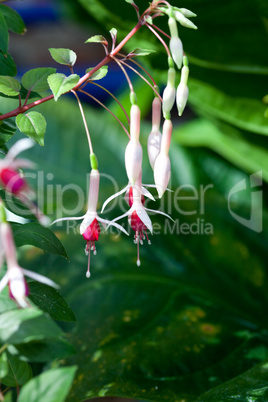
<point>106,60</point>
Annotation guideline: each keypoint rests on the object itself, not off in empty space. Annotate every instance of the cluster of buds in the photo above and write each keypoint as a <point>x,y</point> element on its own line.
<point>179,58</point>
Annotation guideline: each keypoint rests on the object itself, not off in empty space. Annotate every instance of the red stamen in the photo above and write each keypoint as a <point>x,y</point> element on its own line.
<point>12,180</point>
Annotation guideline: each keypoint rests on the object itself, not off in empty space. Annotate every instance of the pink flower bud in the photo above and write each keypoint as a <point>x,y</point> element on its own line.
<point>154,139</point>
<point>133,153</point>
<point>162,173</point>
<point>181,97</point>
<point>162,163</point>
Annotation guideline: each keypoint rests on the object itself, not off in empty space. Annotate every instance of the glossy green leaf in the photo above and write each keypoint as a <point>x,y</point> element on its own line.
<point>53,386</point>
<point>36,79</point>
<point>50,301</point>
<point>7,129</point>
<point>96,39</point>
<point>39,236</point>
<point>98,75</point>
<point>9,85</point>
<point>42,352</point>
<point>6,303</point>
<point>3,35</point>
<point>7,65</point>
<point>22,326</point>
<point>32,124</point>
<point>13,20</point>
<point>63,56</point>
<point>3,365</point>
<point>142,52</point>
<point>16,206</point>
<point>247,114</point>
<point>60,84</point>
<point>18,372</point>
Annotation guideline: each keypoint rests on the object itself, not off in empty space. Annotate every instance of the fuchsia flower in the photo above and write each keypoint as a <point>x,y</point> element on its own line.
<point>175,44</point>
<point>14,278</point>
<point>12,181</point>
<point>90,228</point>
<point>10,178</point>
<point>138,218</point>
<point>182,90</point>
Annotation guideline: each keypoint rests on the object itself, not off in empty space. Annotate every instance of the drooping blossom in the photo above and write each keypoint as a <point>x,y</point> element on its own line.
<point>12,180</point>
<point>90,228</point>
<point>162,163</point>
<point>138,218</point>
<point>14,277</point>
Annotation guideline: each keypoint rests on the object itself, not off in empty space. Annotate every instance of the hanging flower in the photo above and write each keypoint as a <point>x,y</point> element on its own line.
<point>12,181</point>
<point>90,228</point>
<point>137,216</point>
<point>175,44</point>
<point>14,278</point>
<point>169,93</point>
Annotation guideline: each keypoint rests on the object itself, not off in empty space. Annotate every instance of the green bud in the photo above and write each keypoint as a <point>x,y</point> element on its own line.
<point>93,162</point>
<point>170,62</point>
<point>133,98</point>
<point>185,61</point>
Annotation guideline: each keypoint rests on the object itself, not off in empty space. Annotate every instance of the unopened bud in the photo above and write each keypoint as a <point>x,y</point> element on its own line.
<point>166,137</point>
<point>186,12</point>
<point>184,21</point>
<point>161,173</point>
<point>182,90</point>
<point>169,93</point>
<point>176,49</point>
<point>153,146</point>
<point>135,123</point>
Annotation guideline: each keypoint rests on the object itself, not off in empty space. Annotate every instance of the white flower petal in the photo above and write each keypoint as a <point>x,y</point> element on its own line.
<point>19,147</point>
<point>74,218</point>
<point>40,278</point>
<point>4,282</point>
<point>88,219</point>
<point>142,214</point>
<point>111,223</point>
<point>147,193</point>
<point>160,212</point>
<point>129,212</point>
<point>113,196</point>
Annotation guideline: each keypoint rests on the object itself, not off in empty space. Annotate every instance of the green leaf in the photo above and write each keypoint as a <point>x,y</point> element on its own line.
<point>3,365</point>
<point>247,114</point>
<point>142,52</point>
<point>7,65</point>
<point>16,206</point>
<point>6,303</point>
<point>39,236</point>
<point>52,386</point>
<point>18,372</point>
<point>98,75</point>
<point>3,35</point>
<point>32,124</point>
<point>36,79</point>
<point>96,39</point>
<point>22,326</point>
<point>14,21</point>
<point>7,129</point>
<point>50,301</point>
<point>9,86</point>
<point>63,56</point>
<point>60,84</point>
<point>42,351</point>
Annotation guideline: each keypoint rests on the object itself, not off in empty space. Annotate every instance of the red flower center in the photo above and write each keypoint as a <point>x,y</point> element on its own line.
<point>136,223</point>
<point>130,197</point>
<point>92,231</point>
<point>12,180</point>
